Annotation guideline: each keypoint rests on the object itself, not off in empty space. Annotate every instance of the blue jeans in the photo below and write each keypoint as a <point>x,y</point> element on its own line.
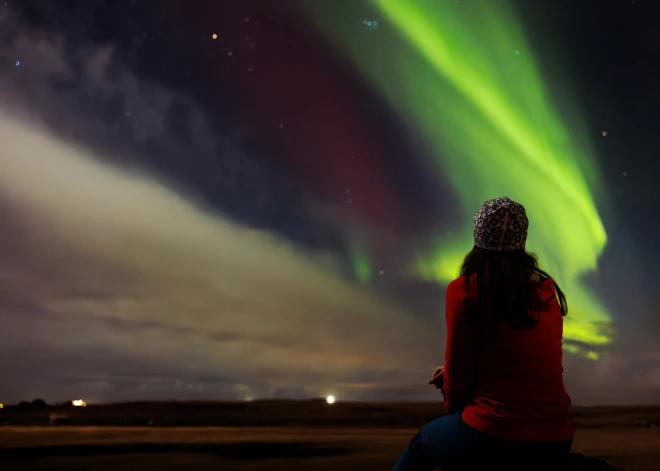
<point>451,443</point>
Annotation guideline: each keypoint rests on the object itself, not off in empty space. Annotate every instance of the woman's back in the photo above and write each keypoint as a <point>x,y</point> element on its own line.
<point>517,388</point>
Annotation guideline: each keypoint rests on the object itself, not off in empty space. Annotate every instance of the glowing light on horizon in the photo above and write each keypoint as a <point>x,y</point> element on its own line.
<point>78,403</point>
<point>330,399</point>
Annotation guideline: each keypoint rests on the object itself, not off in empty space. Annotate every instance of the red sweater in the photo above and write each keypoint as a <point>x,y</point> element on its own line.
<point>508,382</point>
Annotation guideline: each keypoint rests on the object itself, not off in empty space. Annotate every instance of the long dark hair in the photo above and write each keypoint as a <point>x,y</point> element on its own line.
<point>507,286</point>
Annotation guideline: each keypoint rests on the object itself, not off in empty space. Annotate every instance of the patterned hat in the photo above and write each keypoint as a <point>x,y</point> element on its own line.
<point>501,224</point>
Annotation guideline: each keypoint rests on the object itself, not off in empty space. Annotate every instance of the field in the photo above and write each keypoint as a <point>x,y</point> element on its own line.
<point>347,437</point>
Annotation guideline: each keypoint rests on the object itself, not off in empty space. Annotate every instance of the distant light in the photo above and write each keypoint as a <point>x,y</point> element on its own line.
<point>604,133</point>
<point>18,63</point>
<point>1,406</point>
<point>214,36</point>
<point>381,272</point>
<point>78,403</point>
<point>330,399</point>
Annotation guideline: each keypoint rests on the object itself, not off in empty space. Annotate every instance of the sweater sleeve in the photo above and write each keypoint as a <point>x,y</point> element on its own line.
<point>459,358</point>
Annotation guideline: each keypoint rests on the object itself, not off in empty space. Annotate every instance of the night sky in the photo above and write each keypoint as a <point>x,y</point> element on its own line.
<point>218,200</point>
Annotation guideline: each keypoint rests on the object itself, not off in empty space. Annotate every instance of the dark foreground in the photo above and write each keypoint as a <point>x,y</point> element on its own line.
<point>345,440</point>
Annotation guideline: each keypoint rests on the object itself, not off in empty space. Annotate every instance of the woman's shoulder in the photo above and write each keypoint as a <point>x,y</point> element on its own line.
<point>458,283</point>
<point>458,286</point>
<point>462,285</point>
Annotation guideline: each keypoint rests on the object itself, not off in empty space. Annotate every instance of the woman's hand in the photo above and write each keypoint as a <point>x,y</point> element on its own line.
<point>438,377</point>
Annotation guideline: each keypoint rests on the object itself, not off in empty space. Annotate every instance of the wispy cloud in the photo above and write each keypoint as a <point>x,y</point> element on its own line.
<point>105,260</point>
<point>120,262</point>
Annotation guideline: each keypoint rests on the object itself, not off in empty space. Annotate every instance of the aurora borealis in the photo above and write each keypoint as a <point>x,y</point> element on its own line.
<point>466,82</point>
<point>267,198</point>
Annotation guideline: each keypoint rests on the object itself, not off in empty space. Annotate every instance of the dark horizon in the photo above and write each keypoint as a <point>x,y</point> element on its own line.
<point>27,404</point>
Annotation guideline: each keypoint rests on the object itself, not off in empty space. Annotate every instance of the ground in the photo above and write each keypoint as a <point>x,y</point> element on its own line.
<point>262,448</point>
<point>270,435</point>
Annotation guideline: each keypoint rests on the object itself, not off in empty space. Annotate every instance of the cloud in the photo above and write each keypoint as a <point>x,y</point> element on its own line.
<point>88,93</point>
<point>115,260</point>
<point>107,259</point>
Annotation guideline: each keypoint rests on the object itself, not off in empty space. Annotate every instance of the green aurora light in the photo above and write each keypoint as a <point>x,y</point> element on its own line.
<point>462,78</point>
<point>362,268</point>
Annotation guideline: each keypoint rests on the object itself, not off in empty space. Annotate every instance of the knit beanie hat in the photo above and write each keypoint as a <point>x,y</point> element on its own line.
<point>501,225</point>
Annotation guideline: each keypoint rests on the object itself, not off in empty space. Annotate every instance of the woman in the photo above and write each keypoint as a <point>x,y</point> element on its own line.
<point>502,378</point>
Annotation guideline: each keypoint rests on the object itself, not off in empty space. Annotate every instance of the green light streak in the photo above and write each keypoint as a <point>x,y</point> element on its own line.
<point>577,351</point>
<point>362,268</point>
<point>359,256</point>
<point>462,78</point>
